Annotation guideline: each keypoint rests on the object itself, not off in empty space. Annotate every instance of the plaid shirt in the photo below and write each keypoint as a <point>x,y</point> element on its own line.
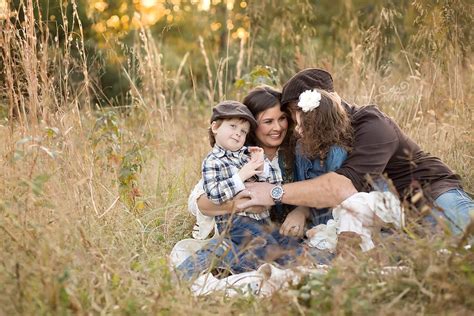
<point>221,180</point>
<point>274,175</point>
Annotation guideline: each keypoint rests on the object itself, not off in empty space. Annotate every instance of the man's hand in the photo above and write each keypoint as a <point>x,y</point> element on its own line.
<point>295,221</point>
<point>244,196</point>
<point>258,194</point>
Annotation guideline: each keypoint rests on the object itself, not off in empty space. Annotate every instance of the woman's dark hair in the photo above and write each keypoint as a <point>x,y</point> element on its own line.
<point>263,98</point>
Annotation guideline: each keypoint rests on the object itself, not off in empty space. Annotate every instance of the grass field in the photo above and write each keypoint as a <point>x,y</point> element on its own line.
<point>92,200</point>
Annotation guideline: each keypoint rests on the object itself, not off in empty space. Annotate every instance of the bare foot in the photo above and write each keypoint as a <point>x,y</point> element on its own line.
<point>313,231</point>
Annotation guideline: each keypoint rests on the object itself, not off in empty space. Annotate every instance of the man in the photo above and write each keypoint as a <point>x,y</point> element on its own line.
<point>380,149</point>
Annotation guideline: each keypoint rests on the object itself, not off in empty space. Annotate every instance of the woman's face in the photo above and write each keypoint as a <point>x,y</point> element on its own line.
<point>272,128</point>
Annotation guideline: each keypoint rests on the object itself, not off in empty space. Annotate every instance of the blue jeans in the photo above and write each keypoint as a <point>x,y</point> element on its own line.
<point>218,253</point>
<point>259,240</point>
<point>247,244</point>
<point>306,169</point>
<point>455,205</point>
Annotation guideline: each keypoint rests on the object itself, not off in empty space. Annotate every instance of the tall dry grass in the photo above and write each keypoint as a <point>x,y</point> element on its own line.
<point>92,200</point>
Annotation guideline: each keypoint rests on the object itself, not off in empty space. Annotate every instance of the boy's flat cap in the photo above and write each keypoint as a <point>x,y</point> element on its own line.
<point>231,109</point>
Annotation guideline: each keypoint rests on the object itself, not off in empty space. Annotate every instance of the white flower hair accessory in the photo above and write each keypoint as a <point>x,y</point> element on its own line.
<point>309,100</point>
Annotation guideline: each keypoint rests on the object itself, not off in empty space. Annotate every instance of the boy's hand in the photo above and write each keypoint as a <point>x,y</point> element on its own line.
<point>250,169</point>
<point>257,154</point>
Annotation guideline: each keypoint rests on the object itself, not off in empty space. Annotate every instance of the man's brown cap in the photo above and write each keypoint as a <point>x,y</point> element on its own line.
<point>307,79</point>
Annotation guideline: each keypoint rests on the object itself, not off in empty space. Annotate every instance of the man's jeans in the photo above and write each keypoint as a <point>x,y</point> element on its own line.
<point>455,206</point>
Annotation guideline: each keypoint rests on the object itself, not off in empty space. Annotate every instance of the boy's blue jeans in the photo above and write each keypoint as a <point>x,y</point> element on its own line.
<point>306,169</point>
<point>247,244</point>
<point>219,252</point>
<point>258,239</point>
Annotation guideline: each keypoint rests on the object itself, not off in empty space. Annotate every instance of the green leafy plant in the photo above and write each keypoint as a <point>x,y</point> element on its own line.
<point>122,153</point>
<point>259,75</point>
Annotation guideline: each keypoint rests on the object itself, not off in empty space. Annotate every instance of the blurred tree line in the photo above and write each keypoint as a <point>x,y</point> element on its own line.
<point>237,35</point>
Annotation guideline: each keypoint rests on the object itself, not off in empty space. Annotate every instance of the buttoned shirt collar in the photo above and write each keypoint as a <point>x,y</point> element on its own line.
<point>220,152</point>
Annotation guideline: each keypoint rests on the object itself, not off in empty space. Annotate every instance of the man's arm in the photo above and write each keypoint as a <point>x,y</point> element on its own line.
<point>328,190</point>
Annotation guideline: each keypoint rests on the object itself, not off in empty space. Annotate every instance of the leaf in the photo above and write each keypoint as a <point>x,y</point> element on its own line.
<point>139,205</point>
<point>49,152</point>
<point>52,131</point>
<point>115,280</point>
<point>24,140</point>
<point>38,183</point>
<point>63,297</point>
<point>239,83</point>
<point>18,155</point>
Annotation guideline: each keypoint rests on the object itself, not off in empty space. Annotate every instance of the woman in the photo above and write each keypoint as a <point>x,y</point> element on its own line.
<point>271,135</point>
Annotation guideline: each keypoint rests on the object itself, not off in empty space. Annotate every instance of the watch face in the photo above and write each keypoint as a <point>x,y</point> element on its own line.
<point>277,192</point>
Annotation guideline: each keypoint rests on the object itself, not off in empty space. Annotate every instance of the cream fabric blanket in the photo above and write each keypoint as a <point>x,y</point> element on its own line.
<point>362,213</point>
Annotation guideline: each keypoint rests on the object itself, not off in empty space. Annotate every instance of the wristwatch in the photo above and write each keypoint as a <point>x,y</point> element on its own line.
<point>277,193</point>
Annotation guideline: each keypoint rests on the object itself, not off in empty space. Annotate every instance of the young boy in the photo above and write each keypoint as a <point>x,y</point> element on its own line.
<point>230,163</point>
<point>224,171</point>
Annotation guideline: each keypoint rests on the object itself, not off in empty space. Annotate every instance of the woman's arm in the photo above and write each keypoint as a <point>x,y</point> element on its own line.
<point>210,209</point>
<point>206,207</point>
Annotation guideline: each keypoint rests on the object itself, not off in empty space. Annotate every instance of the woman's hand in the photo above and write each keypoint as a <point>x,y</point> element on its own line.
<point>295,221</point>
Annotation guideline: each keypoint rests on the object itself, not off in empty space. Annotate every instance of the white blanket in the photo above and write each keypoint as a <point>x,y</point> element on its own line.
<point>361,213</point>
<point>262,282</point>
